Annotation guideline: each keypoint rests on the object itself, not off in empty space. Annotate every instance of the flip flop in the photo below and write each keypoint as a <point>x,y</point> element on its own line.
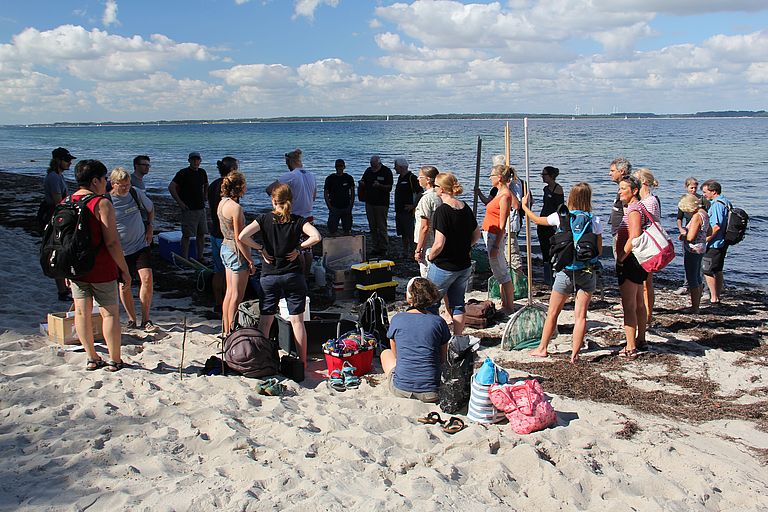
<point>431,419</point>
<point>336,381</point>
<point>454,425</point>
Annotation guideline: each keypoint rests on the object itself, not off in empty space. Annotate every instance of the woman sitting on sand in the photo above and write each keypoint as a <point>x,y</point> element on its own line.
<point>282,273</point>
<point>653,206</point>
<point>495,234</point>
<point>235,255</point>
<point>582,282</point>
<point>631,275</point>
<point>456,231</point>
<point>418,345</point>
<point>694,245</point>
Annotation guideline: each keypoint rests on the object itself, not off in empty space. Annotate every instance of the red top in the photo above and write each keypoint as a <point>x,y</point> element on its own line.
<point>105,268</point>
<point>493,216</point>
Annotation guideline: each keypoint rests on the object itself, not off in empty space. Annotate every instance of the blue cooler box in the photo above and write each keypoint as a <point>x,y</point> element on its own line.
<point>171,242</point>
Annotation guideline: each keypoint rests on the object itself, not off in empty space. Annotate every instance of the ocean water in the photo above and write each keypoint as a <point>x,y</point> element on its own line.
<point>733,151</point>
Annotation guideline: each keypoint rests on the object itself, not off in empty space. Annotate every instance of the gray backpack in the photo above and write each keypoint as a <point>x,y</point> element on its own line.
<point>248,352</point>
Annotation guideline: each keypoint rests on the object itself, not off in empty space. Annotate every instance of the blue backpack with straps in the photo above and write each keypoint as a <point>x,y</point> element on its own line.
<point>574,245</point>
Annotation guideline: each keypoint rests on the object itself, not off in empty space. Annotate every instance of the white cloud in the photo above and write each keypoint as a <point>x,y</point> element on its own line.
<point>326,72</point>
<point>307,8</point>
<point>681,7</point>
<point>263,76</point>
<point>110,13</point>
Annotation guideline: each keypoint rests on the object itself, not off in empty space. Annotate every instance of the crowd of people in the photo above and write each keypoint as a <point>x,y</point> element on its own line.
<point>435,225</point>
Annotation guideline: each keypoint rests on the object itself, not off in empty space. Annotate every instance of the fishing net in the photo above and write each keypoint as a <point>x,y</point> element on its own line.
<point>524,328</point>
<point>518,280</point>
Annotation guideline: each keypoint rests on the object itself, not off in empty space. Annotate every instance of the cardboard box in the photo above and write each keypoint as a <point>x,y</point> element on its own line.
<point>171,242</point>
<point>61,328</point>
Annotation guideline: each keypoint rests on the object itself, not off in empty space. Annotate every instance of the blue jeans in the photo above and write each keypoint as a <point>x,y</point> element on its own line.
<point>452,283</point>
<point>692,264</point>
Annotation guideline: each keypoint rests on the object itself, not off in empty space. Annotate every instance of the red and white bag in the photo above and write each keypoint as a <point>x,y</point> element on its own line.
<point>653,248</point>
<point>524,405</point>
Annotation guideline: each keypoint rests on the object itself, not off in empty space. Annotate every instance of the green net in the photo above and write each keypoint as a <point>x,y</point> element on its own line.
<point>523,330</point>
<point>480,257</point>
<point>518,280</point>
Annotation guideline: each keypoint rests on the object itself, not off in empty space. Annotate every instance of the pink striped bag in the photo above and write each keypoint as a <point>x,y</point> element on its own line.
<point>653,248</point>
<point>524,405</point>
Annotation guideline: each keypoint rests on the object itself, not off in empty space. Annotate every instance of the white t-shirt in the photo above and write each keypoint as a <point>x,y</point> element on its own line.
<point>553,219</point>
<point>303,186</point>
<point>426,209</point>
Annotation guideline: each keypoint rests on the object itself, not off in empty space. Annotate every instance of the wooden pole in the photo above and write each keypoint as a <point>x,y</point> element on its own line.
<point>507,149</point>
<point>183,346</point>
<point>527,220</point>
<point>477,175</point>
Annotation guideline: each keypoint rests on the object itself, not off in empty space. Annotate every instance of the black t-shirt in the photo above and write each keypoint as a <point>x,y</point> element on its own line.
<point>279,240</point>
<point>192,187</point>
<point>214,198</point>
<point>457,226</point>
<point>617,213</point>
<point>341,190</point>
<point>406,190</point>
<point>378,196</point>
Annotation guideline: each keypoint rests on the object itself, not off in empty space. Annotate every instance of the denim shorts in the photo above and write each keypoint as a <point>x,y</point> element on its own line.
<point>292,287</point>
<point>452,283</point>
<point>233,260</point>
<point>572,281</point>
<point>218,265</point>
<point>499,265</point>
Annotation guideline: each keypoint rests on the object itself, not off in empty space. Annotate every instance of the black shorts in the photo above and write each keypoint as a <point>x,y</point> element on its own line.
<point>292,287</point>
<point>713,260</point>
<point>138,260</point>
<point>632,270</point>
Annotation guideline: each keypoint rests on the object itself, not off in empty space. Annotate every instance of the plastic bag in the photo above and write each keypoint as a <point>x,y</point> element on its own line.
<point>456,375</point>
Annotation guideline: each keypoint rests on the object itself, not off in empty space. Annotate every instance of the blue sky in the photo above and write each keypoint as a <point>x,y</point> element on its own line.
<point>100,60</point>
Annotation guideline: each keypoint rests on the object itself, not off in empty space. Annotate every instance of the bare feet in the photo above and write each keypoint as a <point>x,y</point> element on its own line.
<point>537,352</point>
<point>574,357</point>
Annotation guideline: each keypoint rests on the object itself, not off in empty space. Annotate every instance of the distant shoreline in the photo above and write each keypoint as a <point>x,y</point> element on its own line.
<point>724,114</point>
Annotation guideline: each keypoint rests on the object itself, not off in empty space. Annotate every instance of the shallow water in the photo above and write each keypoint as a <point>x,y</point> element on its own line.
<point>733,151</point>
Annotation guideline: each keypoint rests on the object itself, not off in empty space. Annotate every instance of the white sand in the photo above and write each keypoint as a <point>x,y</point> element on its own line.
<point>142,439</point>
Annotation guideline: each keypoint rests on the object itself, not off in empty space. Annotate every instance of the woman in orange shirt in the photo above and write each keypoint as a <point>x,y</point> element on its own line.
<point>495,234</point>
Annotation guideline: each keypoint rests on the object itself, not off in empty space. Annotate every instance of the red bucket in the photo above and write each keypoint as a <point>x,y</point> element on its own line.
<point>362,361</point>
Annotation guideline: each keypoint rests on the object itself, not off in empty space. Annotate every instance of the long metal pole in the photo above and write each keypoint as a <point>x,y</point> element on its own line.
<point>527,220</point>
<point>477,175</point>
<point>507,149</point>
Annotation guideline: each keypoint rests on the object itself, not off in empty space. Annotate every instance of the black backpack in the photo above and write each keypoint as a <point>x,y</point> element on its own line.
<point>67,251</point>
<point>736,225</point>
<point>374,319</point>
<point>249,353</point>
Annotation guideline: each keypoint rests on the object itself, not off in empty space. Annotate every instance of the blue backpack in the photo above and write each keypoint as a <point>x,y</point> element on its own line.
<point>574,245</point>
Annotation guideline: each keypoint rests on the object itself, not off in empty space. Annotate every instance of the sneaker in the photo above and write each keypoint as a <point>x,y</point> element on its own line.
<point>148,326</point>
<point>681,291</point>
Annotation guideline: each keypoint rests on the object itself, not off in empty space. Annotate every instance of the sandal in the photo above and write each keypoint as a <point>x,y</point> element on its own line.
<point>351,381</point>
<point>431,419</point>
<point>130,324</point>
<point>336,381</point>
<point>114,366</point>
<point>628,354</point>
<point>272,387</point>
<point>148,326</point>
<point>454,425</point>
<point>94,364</point>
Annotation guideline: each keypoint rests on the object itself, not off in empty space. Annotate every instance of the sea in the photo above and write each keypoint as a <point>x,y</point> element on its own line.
<point>733,151</point>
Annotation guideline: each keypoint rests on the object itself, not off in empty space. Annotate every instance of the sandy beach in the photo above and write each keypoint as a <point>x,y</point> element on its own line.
<point>683,427</point>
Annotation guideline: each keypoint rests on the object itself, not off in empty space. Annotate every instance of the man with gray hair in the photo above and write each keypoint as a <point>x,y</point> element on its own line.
<point>620,167</point>
<point>407,194</point>
<point>375,186</point>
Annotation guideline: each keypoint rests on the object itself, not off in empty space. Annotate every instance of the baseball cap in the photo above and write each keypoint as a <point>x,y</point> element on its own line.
<point>194,154</point>
<point>62,154</point>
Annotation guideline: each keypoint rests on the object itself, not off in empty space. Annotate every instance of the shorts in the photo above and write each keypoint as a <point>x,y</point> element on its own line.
<point>405,222</point>
<point>452,283</point>
<point>139,260</point>
<point>631,270</point>
<point>233,260</point>
<point>499,265</point>
<point>194,223</point>
<point>292,287</point>
<point>568,281</point>
<point>430,397</point>
<point>714,260</point>
<point>218,265</point>
<point>104,293</point>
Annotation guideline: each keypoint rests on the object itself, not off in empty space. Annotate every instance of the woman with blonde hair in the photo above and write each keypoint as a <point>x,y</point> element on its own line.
<point>495,234</point>
<point>424,232</point>
<point>694,245</point>
<point>235,255</point>
<point>580,280</point>
<point>652,205</point>
<point>456,231</point>
<point>282,275</point>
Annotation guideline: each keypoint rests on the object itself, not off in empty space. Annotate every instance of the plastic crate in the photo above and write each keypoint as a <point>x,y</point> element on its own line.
<point>373,272</point>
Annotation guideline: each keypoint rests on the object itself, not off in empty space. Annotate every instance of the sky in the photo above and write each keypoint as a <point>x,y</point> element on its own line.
<point>142,60</point>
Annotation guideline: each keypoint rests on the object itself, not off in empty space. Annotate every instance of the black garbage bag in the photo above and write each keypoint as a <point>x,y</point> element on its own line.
<point>456,375</point>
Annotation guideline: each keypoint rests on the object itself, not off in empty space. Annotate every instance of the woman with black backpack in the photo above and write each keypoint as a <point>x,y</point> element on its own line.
<point>580,279</point>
